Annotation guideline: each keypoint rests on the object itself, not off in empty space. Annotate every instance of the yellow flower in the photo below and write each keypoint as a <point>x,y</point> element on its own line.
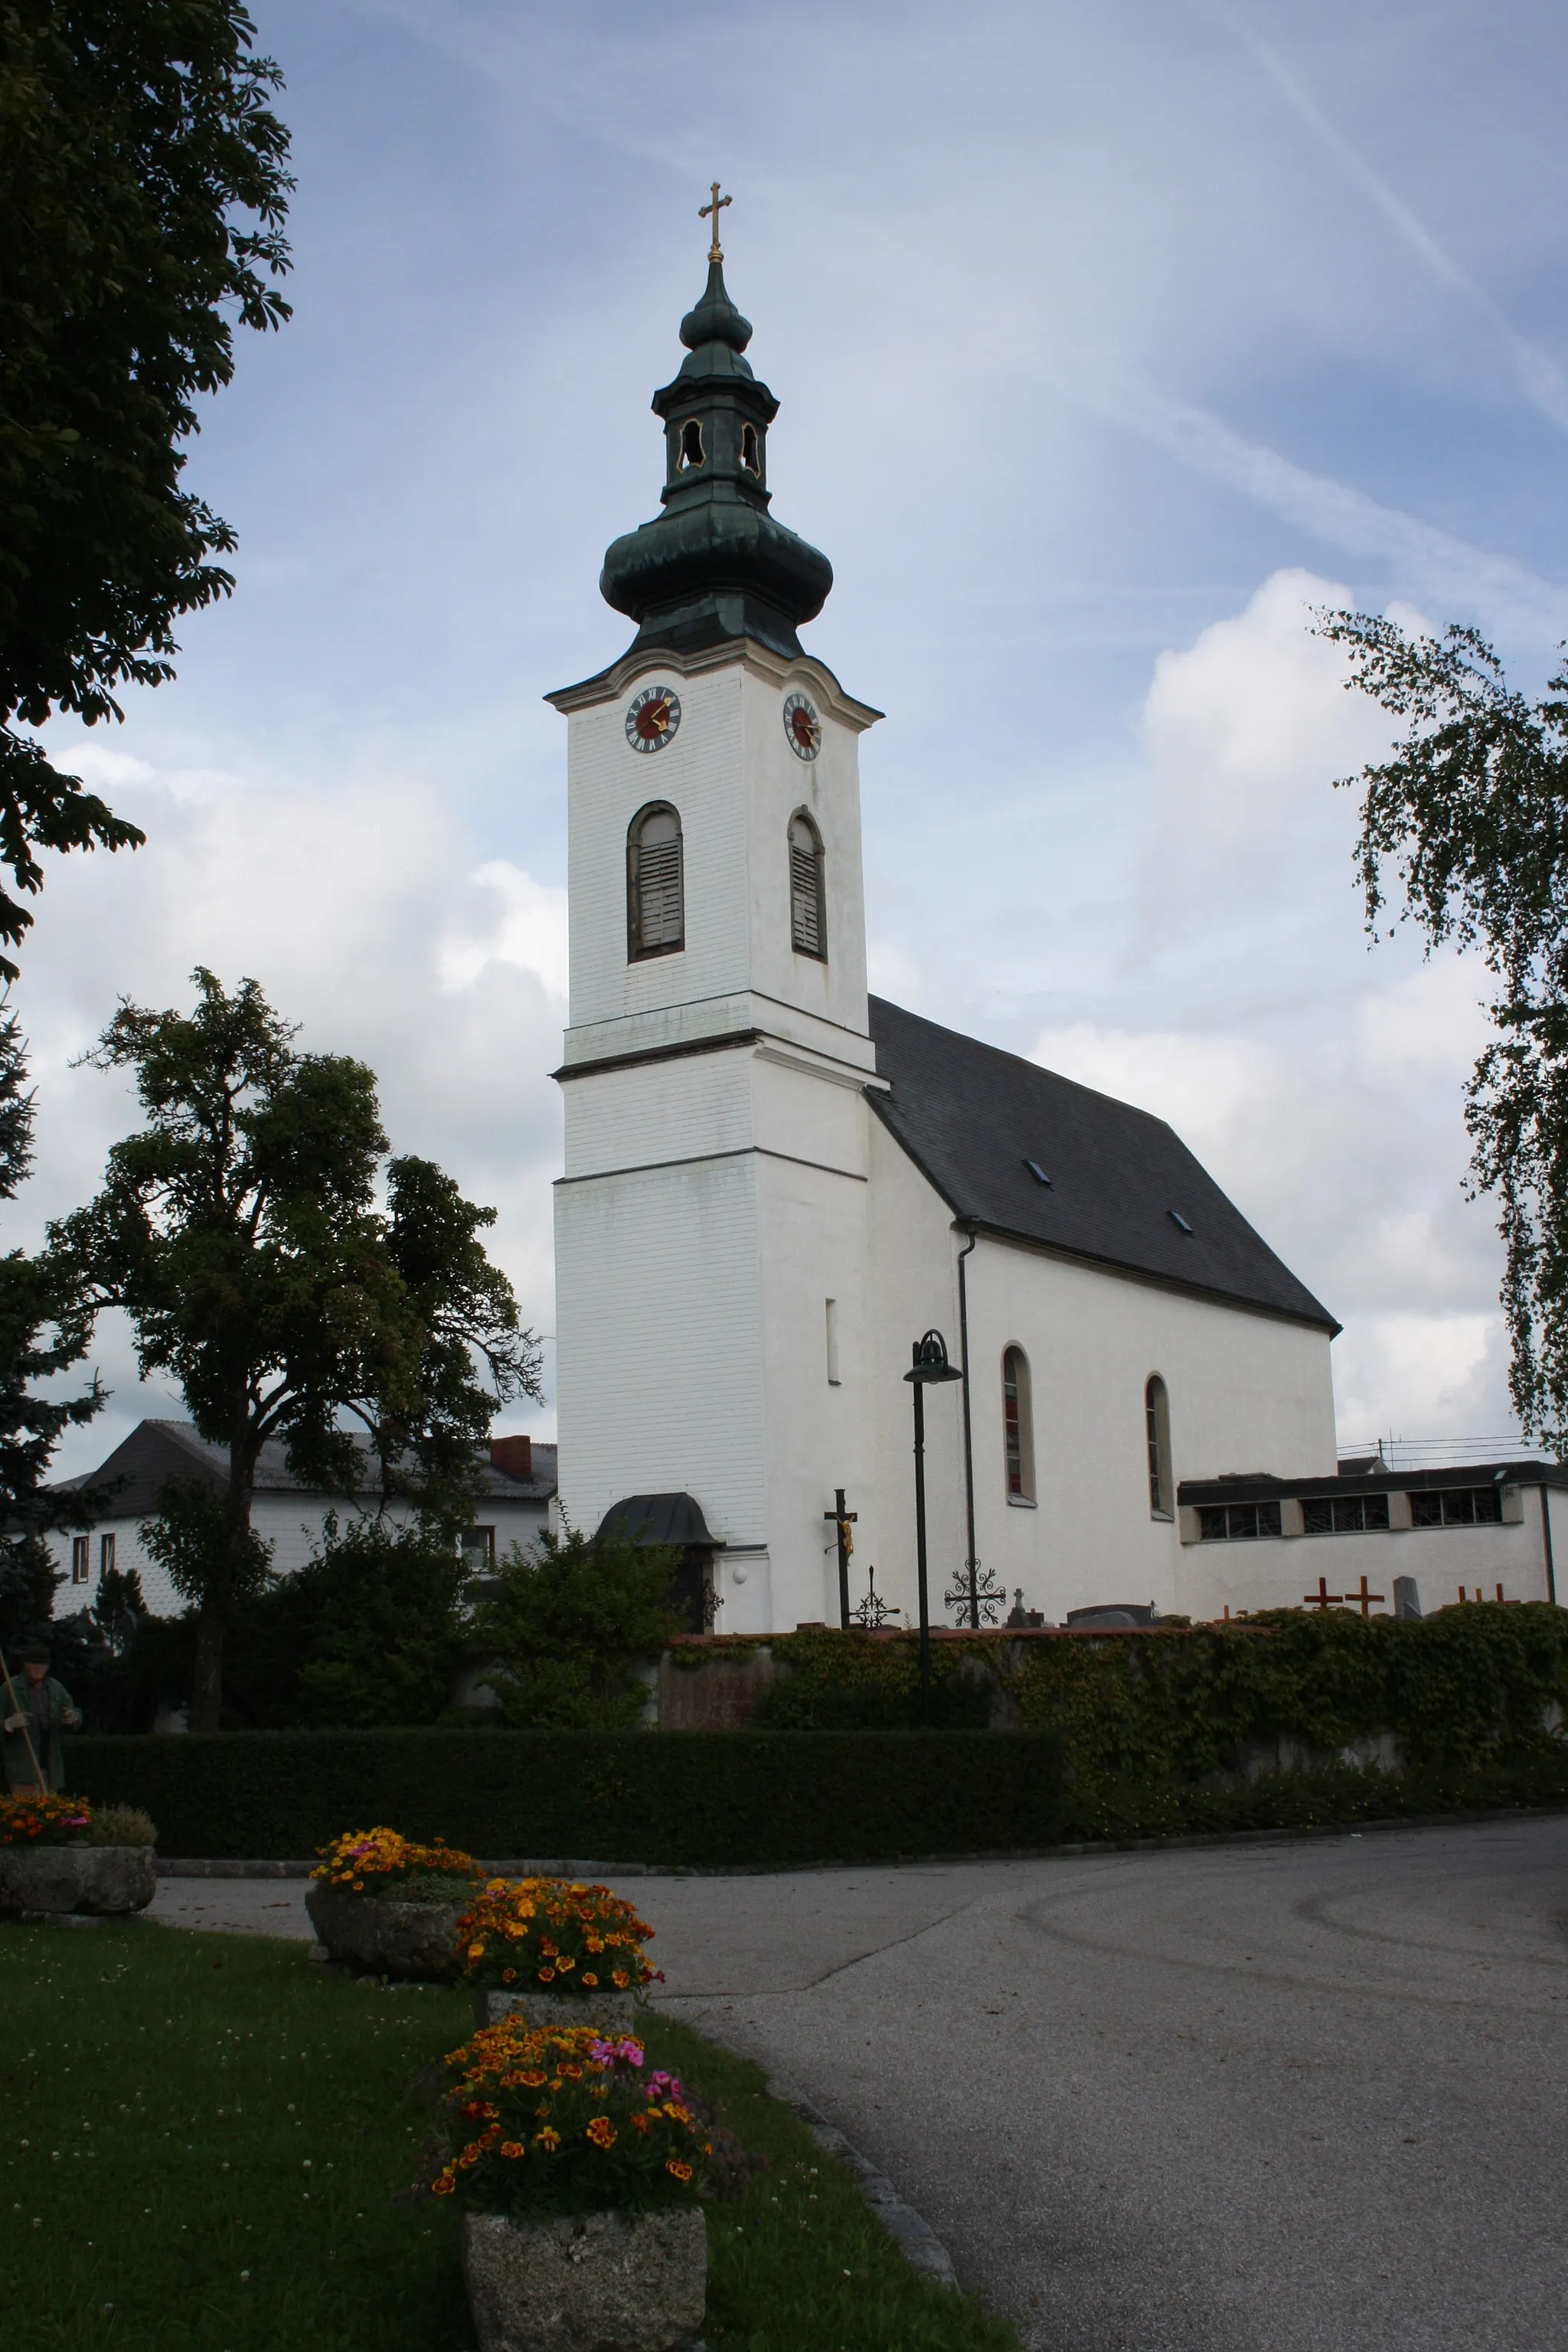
<point>681,2171</point>
<point>601,2132</point>
<point>547,2139</point>
<point>512,2149</point>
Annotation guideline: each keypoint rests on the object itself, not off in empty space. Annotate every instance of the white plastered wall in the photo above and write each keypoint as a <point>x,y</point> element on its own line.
<point>292,1524</point>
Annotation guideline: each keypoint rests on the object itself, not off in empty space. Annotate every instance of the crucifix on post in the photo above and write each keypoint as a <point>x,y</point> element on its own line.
<point>715,252</point>
<point>843,1521</point>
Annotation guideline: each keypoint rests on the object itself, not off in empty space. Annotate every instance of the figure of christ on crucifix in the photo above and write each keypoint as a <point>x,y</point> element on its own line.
<point>843,1521</point>
<point>715,251</point>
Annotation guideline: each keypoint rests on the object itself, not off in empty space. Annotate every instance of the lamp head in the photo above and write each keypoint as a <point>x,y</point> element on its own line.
<point>931,1362</point>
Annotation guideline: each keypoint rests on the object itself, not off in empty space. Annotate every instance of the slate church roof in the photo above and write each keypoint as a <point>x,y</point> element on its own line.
<point>1123,1189</point>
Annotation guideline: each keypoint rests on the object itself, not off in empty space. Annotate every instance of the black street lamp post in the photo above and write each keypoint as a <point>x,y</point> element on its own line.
<point>931,1365</point>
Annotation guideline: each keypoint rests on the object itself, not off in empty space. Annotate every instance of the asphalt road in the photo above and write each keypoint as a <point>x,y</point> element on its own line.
<point>1304,2098</point>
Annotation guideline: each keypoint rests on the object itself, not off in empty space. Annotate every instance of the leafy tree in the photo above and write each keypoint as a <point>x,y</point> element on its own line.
<point>568,1625</point>
<point>376,1625</point>
<point>1467,824</point>
<point>241,1230</point>
<point>46,1324</point>
<point>143,193</point>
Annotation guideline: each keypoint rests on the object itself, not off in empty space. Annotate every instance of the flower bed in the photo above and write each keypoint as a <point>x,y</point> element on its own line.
<point>563,2121</point>
<point>551,1936</point>
<point>382,1862</point>
<point>382,1902</point>
<point>44,1820</point>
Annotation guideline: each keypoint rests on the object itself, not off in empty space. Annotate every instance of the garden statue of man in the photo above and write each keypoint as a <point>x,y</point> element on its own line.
<point>34,1706</point>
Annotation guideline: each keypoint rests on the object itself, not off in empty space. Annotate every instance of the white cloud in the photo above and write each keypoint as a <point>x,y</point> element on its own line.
<point>1320,1083</point>
<point>360,906</point>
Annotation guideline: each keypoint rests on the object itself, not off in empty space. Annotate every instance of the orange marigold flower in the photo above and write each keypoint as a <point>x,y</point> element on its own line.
<point>507,1975</point>
<point>546,1975</point>
<point>681,2171</point>
<point>534,2079</point>
<point>444,2186</point>
<point>512,2149</point>
<point>548,2139</point>
<point>589,1977</point>
<point>642,2123</point>
<point>601,2132</point>
<point>620,1977</point>
<point>475,1951</point>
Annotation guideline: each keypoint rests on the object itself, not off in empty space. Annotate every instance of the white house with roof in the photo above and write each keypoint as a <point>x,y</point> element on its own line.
<point>776,1184</point>
<point>517,1483</point>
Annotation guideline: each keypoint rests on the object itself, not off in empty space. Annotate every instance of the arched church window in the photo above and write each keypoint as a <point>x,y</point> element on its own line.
<point>655,909</point>
<point>1017,1426</point>
<point>691,450</point>
<point>750,455</point>
<point>807,908</point>
<point>1157,1434</point>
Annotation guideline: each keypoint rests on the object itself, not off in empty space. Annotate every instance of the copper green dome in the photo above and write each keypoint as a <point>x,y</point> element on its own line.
<point>715,565</point>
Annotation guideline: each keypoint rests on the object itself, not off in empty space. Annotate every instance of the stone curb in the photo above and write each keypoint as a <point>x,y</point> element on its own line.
<point>914,2236</point>
<point>173,1866</point>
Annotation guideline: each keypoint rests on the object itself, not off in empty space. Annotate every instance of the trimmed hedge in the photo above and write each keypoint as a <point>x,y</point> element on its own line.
<point>702,1799</point>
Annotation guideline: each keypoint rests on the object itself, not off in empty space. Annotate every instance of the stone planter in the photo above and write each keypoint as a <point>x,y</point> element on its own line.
<point>100,1881</point>
<point>607,2012</point>
<point>385,1937</point>
<point>587,2282</point>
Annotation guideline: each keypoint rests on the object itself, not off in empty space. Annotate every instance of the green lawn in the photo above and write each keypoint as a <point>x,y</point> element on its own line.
<point>202,2137</point>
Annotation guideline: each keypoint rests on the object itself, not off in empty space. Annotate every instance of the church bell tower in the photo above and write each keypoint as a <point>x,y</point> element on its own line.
<point>711,1226</point>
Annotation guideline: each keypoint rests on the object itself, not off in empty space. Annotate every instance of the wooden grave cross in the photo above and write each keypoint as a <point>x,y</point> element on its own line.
<point>1363,1599</point>
<point>1324,1598</point>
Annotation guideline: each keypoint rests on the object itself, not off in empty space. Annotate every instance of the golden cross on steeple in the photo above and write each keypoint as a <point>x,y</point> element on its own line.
<point>716,207</point>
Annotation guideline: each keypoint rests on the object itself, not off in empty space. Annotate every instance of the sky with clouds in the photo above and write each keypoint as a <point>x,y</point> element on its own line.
<point>1109,341</point>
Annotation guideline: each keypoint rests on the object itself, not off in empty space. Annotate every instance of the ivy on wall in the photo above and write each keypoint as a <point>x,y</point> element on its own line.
<point>1469,1688</point>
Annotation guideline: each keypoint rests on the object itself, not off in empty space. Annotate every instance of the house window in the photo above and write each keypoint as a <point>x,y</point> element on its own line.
<point>1239,1522</point>
<point>807,916</point>
<point>1017,1426</point>
<point>1456,1507</point>
<point>656,911</point>
<point>479,1549</point>
<point>1157,1441</point>
<point>80,1569</point>
<point>1345,1514</point>
<point>106,1555</point>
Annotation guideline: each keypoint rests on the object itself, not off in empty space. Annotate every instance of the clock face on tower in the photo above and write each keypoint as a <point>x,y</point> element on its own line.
<point>803,726</point>
<point>653,718</point>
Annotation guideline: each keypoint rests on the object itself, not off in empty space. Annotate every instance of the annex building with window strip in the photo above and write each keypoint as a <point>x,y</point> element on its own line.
<point>775,1183</point>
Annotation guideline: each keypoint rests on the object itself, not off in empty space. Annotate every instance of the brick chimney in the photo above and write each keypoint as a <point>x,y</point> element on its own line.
<point>514,1455</point>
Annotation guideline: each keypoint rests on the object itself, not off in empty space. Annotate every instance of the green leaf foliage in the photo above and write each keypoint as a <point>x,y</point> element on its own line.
<point>569,1625</point>
<point>143,191</point>
<point>373,1626</point>
<point>1468,1688</point>
<point>46,1327</point>
<point>240,1229</point>
<point>1466,825</point>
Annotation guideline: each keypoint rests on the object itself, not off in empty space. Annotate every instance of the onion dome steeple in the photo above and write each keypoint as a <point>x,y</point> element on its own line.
<point>715,565</point>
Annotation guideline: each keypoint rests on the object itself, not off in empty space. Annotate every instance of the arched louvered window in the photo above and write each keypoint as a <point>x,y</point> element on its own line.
<point>807,911</point>
<point>1017,1426</point>
<point>656,897</point>
<point>1157,1436</point>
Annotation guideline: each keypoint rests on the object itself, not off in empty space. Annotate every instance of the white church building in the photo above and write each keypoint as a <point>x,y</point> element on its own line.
<point>775,1184</point>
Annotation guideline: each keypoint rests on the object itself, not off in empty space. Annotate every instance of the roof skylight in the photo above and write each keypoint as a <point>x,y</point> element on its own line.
<point>1178,1221</point>
<point>1039,1175</point>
